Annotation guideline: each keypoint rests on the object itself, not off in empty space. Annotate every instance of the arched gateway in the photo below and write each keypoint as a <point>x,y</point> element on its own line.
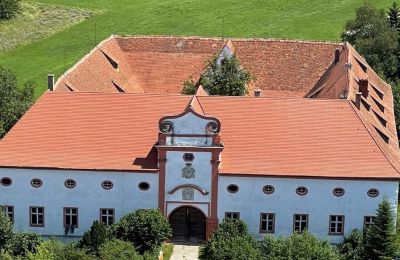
<point>188,225</point>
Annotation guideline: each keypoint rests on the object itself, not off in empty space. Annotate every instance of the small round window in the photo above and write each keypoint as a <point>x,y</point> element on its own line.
<point>107,185</point>
<point>301,190</point>
<point>338,192</point>
<point>232,188</point>
<point>144,186</point>
<point>188,157</point>
<point>268,189</point>
<point>36,183</point>
<point>373,193</point>
<point>70,183</point>
<point>6,181</point>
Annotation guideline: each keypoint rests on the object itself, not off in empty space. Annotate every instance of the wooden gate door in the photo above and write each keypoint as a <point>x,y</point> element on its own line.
<point>188,225</point>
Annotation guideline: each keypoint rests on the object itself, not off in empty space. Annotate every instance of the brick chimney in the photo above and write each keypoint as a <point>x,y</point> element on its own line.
<point>50,82</point>
<point>337,55</point>
<point>257,92</point>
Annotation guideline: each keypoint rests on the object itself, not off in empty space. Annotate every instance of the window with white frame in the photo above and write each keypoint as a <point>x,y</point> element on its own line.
<point>300,222</point>
<point>9,210</point>
<point>70,217</point>
<point>368,221</point>
<point>232,215</point>
<point>107,216</point>
<point>36,216</point>
<point>267,222</point>
<point>336,225</point>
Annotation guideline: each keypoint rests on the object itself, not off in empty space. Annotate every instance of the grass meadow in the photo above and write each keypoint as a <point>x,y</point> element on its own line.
<point>290,19</point>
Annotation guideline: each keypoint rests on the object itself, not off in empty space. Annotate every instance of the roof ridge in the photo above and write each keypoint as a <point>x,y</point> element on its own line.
<point>372,136</point>
<point>195,37</point>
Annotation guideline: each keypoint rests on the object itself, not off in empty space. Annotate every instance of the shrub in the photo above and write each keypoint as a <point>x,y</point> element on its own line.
<point>189,87</point>
<point>297,246</point>
<point>6,229</point>
<point>95,237</point>
<point>118,249</point>
<point>145,228</point>
<point>352,247</point>
<point>9,8</point>
<point>231,241</point>
<point>23,243</point>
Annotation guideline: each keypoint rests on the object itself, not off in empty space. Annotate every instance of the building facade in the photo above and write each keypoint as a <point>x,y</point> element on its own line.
<point>281,164</point>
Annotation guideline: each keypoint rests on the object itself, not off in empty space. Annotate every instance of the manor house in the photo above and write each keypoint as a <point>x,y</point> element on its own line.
<point>312,146</point>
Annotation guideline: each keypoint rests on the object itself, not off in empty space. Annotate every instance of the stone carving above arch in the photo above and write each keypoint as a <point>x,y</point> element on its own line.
<point>201,190</point>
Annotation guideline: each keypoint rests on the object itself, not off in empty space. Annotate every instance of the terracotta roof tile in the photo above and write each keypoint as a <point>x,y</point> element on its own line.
<point>265,136</point>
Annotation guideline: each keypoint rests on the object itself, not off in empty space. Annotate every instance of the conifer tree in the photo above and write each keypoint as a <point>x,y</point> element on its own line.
<point>394,15</point>
<point>380,237</point>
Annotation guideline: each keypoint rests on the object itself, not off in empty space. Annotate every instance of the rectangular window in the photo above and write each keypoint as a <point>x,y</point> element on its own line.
<point>300,222</point>
<point>336,225</point>
<point>232,215</point>
<point>36,216</point>
<point>267,223</point>
<point>9,210</point>
<point>368,221</point>
<point>107,216</point>
<point>71,217</point>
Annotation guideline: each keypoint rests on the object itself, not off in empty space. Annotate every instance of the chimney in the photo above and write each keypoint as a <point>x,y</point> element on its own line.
<point>50,82</point>
<point>257,92</point>
<point>357,102</point>
<point>337,55</point>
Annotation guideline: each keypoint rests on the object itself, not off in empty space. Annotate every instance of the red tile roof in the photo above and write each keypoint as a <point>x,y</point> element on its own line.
<point>280,68</point>
<point>265,136</point>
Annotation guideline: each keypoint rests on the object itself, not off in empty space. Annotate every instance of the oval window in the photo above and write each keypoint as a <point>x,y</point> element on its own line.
<point>70,183</point>
<point>144,186</point>
<point>373,193</point>
<point>36,183</point>
<point>268,189</point>
<point>107,185</point>
<point>301,190</point>
<point>6,181</point>
<point>188,157</point>
<point>338,192</point>
<point>232,188</point>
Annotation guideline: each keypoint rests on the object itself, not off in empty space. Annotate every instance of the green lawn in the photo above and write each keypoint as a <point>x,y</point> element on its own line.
<point>292,19</point>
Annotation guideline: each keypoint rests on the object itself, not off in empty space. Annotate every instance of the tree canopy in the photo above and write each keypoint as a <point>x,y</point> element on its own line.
<point>14,101</point>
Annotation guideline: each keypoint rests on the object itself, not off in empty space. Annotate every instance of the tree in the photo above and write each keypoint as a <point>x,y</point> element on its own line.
<point>380,239</point>
<point>375,39</point>
<point>231,240</point>
<point>95,237</point>
<point>13,101</point>
<point>146,229</point>
<point>394,15</point>
<point>6,229</point>
<point>222,77</point>
<point>9,8</point>
<point>118,249</point>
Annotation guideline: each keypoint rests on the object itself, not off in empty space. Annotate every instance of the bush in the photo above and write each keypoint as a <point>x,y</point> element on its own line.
<point>95,237</point>
<point>352,247</point>
<point>146,229</point>
<point>189,87</point>
<point>6,229</point>
<point>23,243</point>
<point>118,249</point>
<point>297,246</point>
<point>231,241</point>
<point>9,8</point>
